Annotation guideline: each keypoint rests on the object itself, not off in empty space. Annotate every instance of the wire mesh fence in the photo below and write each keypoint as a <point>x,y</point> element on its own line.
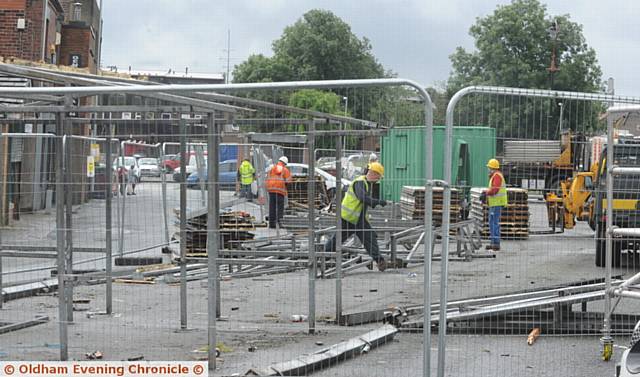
<point>168,231</point>
<point>542,299</point>
<point>139,220</point>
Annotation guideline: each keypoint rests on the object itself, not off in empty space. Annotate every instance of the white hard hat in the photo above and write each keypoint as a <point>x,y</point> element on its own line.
<point>284,159</point>
<point>373,157</point>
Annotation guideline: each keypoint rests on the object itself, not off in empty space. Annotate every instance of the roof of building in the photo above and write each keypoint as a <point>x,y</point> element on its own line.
<point>174,74</point>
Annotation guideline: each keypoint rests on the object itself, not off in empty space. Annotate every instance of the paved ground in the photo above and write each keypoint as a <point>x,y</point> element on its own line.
<point>256,311</point>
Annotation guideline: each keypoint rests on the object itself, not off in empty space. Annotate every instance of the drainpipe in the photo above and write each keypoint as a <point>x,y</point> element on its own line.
<point>44,28</point>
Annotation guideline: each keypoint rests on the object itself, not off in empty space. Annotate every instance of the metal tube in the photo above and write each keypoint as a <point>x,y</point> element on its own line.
<point>123,189</point>
<point>338,202</point>
<point>108,223</point>
<point>428,231</point>
<point>183,225</point>
<point>625,232</point>
<point>68,176</point>
<point>213,237</point>
<point>60,240</point>
<point>623,293</point>
<point>616,170</point>
<point>2,170</point>
<point>311,191</point>
<point>606,328</point>
<point>164,198</point>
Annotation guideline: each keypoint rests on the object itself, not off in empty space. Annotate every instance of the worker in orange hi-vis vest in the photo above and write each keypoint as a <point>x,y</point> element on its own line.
<point>276,184</point>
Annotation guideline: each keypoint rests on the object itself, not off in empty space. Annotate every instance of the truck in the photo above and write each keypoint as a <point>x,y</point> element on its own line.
<point>584,196</point>
<point>541,164</point>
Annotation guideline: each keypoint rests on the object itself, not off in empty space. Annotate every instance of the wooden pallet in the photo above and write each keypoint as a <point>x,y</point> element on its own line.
<point>514,219</point>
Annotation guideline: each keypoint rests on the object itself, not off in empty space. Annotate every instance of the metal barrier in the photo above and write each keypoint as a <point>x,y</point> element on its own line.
<point>553,167</point>
<point>258,284</point>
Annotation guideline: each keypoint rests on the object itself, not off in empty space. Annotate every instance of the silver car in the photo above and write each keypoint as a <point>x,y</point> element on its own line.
<point>149,167</point>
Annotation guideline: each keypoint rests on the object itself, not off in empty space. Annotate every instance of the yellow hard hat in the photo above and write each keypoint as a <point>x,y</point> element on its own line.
<point>377,167</point>
<point>493,164</point>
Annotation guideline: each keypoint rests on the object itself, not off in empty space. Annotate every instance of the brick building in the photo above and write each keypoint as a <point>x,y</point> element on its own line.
<point>81,34</point>
<point>31,29</point>
<point>62,32</point>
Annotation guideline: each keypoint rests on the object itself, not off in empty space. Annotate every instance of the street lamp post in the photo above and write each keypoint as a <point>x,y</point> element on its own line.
<point>346,106</point>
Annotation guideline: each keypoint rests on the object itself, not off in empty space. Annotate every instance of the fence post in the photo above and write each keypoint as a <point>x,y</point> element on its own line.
<point>338,203</point>
<point>60,239</point>
<point>311,191</point>
<point>213,236</point>
<point>606,339</point>
<point>2,171</point>
<point>428,235</point>
<point>183,224</point>
<point>108,231</point>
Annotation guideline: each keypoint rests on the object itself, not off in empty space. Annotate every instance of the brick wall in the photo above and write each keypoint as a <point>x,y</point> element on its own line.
<point>26,43</point>
<point>77,40</point>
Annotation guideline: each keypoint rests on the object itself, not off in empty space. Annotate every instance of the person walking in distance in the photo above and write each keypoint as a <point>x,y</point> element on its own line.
<point>246,175</point>
<point>355,220</point>
<point>496,199</point>
<point>276,184</point>
<point>132,180</point>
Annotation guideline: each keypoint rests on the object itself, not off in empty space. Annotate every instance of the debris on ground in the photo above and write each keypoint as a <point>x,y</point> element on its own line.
<point>533,335</point>
<point>136,358</point>
<point>97,355</point>
<point>148,280</point>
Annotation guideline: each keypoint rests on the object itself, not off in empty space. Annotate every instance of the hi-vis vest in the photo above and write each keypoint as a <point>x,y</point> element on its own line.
<point>246,173</point>
<point>499,199</point>
<point>277,179</point>
<point>352,206</point>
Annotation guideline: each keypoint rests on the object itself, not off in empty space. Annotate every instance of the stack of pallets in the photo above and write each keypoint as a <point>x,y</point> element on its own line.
<point>298,196</point>
<point>412,204</point>
<point>234,226</point>
<point>514,220</point>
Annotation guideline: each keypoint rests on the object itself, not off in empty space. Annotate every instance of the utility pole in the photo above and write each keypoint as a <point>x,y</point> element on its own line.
<point>228,54</point>
<point>554,30</point>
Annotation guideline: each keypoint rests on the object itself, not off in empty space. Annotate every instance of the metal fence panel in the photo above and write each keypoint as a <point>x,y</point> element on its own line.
<point>183,265</point>
<point>540,300</point>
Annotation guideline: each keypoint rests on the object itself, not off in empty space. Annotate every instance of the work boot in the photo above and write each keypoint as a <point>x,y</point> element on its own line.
<point>382,265</point>
<point>496,247</point>
<point>489,247</point>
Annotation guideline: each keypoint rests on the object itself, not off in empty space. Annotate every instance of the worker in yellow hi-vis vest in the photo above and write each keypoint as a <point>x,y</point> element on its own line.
<point>355,219</point>
<point>246,175</point>
<point>496,199</point>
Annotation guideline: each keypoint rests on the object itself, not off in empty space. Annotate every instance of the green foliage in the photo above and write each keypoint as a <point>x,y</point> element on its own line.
<point>514,48</point>
<point>316,100</point>
<point>319,46</point>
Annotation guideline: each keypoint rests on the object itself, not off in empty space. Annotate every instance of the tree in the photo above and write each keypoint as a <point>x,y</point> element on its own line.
<point>319,46</point>
<point>515,47</point>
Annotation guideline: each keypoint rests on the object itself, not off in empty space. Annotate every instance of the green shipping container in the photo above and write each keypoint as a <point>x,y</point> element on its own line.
<point>403,157</point>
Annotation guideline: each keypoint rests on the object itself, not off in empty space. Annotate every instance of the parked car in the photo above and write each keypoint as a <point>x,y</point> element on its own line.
<point>169,162</point>
<point>301,170</point>
<point>122,165</point>
<point>173,163</point>
<point>227,175</point>
<point>149,167</point>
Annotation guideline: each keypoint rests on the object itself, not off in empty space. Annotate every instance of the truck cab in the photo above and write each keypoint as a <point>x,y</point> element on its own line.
<point>626,201</point>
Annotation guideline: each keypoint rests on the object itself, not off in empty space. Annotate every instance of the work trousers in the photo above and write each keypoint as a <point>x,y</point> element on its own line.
<point>245,191</point>
<point>276,209</point>
<point>494,224</point>
<point>365,234</point>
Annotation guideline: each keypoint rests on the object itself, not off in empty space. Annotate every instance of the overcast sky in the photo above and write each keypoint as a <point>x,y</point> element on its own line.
<point>413,38</point>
